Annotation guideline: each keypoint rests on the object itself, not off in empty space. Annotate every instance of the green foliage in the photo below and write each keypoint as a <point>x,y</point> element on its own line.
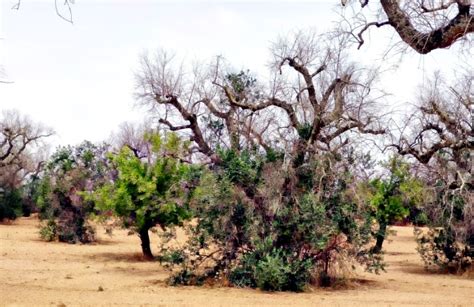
<point>241,168</point>
<point>145,194</point>
<point>304,131</point>
<point>10,203</point>
<point>419,218</point>
<point>44,198</point>
<point>392,199</point>
<point>272,273</point>
<point>241,81</point>
<point>273,155</point>
<point>259,225</point>
<point>387,203</point>
<point>186,278</point>
<point>48,232</point>
<point>271,269</point>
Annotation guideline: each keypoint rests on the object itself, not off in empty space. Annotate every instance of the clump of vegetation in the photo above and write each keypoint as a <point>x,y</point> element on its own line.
<point>65,212</point>
<point>248,232</point>
<point>275,207</point>
<point>10,203</point>
<point>449,242</point>
<point>439,247</point>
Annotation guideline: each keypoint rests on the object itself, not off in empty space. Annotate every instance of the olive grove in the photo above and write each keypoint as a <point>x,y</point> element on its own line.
<point>278,183</point>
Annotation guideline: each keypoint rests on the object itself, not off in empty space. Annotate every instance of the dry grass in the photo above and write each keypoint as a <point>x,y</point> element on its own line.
<point>112,272</point>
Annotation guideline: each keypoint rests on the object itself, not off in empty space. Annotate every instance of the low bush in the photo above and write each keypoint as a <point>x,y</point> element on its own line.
<point>439,248</point>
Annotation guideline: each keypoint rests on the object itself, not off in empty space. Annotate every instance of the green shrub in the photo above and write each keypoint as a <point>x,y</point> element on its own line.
<point>10,204</point>
<point>271,273</point>
<point>185,278</point>
<point>449,242</point>
<point>69,172</point>
<point>259,224</point>
<point>48,231</point>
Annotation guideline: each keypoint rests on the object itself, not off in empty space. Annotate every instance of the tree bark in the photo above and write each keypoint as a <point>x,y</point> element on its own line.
<point>145,238</point>
<point>443,37</point>
<point>380,237</point>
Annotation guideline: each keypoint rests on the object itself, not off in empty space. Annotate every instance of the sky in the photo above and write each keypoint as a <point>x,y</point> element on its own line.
<point>79,78</point>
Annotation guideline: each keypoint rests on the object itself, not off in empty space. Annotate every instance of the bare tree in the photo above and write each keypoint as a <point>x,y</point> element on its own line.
<point>133,136</point>
<point>424,25</point>
<point>440,136</point>
<point>442,124</point>
<point>316,98</point>
<point>317,104</point>
<point>20,147</point>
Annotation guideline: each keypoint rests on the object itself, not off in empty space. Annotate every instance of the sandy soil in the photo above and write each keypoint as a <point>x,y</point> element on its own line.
<point>33,272</point>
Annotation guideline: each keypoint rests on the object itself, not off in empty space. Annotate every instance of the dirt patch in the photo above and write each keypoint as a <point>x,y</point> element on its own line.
<point>112,272</point>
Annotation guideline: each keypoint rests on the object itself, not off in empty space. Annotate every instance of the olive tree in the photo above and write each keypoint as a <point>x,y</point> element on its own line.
<point>144,193</point>
<point>439,135</point>
<point>22,154</point>
<point>276,155</point>
<point>392,197</point>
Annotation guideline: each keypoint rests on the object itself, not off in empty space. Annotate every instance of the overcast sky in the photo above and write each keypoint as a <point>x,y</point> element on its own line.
<point>79,80</point>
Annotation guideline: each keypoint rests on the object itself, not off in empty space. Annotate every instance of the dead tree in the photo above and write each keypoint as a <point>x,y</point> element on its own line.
<point>20,147</point>
<point>440,136</point>
<point>315,100</point>
<point>424,25</point>
<point>133,136</point>
<point>442,125</point>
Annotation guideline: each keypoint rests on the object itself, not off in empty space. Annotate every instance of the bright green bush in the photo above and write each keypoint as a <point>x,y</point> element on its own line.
<point>392,198</point>
<point>144,193</point>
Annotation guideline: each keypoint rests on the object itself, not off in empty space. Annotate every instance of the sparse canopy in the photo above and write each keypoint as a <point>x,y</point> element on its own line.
<point>443,122</point>
<point>20,147</point>
<point>316,95</point>
<point>439,135</point>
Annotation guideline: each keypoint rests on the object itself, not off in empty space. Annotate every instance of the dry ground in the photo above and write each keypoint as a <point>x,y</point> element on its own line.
<point>35,273</point>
